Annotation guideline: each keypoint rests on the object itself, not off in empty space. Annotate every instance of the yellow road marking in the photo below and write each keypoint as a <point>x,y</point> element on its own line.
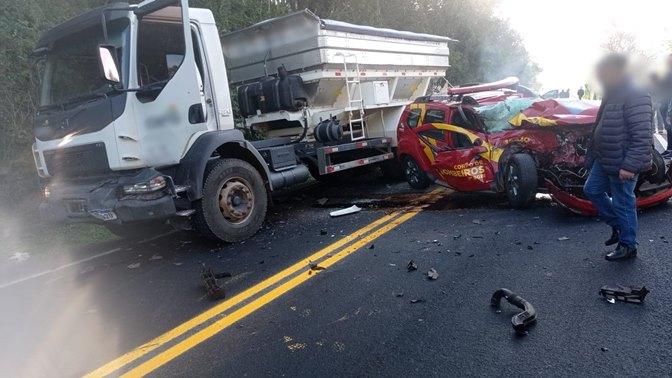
<point>216,327</point>
<point>190,324</point>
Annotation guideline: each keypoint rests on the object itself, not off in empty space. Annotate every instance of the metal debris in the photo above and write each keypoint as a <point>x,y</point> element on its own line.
<point>348,210</point>
<point>432,274</point>
<point>519,321</point>
<point>211,282</point>
<point>411,266</point>
<point>629,294</point>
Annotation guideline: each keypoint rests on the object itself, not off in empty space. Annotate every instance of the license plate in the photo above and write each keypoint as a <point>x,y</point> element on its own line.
<point>103,214</point>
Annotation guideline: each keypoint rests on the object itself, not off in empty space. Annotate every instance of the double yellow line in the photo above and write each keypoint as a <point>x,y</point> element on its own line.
<point>333,253</point>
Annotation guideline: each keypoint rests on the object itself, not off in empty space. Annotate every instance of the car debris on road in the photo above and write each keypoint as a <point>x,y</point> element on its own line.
<point>520,321</point>
<point>628,294</point>
<point>211,283</point>
<point>432,274</point>
<point>348,210</point>
<point>411,266</point>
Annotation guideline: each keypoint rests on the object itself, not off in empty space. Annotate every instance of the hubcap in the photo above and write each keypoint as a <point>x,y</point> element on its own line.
<point>236,200</point>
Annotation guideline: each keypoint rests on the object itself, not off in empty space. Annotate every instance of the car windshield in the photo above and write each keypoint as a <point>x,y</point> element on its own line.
<point>71,72</point>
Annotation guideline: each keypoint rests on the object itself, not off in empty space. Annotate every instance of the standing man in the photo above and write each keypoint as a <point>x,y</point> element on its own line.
<point>621,148</point>
<point>580,93</point>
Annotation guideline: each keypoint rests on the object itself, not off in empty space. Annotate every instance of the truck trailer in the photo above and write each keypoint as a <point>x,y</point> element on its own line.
<point>135,125</point>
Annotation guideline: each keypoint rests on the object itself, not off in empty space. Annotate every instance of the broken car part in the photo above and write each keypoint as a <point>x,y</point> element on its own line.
<point>629,294</point>
<point>519,321</point>
<point>348,210</point>
<point>211,283</point>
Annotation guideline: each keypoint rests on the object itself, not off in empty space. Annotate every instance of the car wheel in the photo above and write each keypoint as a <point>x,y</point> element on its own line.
<point>414,175</point>
<point>521,180</point>
<point>234,202</point>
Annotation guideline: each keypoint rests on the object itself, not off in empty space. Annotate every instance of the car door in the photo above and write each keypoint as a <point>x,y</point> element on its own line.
<point>465,165</point>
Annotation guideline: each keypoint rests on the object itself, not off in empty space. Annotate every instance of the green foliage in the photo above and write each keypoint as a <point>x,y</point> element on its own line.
<point>487,48</point>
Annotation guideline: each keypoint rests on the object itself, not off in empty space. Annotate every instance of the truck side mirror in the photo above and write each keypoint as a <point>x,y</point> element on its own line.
<point>108,63</point>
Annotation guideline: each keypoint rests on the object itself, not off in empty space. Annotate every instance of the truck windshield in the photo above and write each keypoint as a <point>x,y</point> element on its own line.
<point>71,73</point>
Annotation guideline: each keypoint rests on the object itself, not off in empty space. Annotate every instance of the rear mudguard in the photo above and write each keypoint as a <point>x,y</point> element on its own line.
<point>519,321</point>
<point>584,207</point>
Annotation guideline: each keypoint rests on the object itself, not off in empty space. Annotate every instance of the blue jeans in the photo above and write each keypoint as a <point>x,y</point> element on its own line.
<point>619,210</point>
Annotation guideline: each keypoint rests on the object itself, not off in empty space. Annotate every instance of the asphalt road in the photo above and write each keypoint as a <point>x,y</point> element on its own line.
<point>312,295</point>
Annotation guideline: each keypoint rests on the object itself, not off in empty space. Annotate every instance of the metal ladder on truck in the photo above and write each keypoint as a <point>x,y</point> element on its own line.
<point>353,87</point>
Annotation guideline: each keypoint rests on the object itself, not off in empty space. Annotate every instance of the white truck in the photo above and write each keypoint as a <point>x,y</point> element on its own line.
<point>136,126</point>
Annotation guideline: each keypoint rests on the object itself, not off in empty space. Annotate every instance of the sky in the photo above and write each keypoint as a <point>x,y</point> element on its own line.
<point>564,37</point>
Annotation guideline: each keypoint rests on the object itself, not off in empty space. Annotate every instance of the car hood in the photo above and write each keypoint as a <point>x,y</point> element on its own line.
<point>528,112</point>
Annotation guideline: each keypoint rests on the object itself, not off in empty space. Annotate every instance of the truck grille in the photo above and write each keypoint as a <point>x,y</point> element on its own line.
<point>84,160</point>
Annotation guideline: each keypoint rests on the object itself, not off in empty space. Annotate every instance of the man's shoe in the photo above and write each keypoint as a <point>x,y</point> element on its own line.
<point>613,239</point>
<point>621,252</point>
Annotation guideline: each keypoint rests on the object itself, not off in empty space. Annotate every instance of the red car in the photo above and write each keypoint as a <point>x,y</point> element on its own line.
<point>499,137</point>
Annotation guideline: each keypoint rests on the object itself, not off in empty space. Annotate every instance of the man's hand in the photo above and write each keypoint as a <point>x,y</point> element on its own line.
<point>625,175</point>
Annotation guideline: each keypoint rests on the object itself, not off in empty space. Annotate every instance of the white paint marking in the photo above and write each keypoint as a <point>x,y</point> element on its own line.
<point>62,267</point>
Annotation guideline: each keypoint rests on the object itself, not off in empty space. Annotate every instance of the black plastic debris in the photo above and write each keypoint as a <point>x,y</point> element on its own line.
<point>629,294</point>
<point>211,283</point>
<point>432,274</point>
<point>316,267</point>
<point>411,266</point>
<point>323,232</point>
<point>519,321</point>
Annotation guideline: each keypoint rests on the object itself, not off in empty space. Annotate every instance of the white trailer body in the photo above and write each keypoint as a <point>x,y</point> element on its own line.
<point>346,69</point>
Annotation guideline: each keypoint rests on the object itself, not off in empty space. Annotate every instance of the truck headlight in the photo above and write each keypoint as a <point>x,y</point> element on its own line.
<point>152,185</point>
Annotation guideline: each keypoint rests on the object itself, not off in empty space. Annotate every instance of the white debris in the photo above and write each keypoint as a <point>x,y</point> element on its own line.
<point>20,256</point>
<point>133,266</point>
<point>563,238</point>
<point>349,210</point>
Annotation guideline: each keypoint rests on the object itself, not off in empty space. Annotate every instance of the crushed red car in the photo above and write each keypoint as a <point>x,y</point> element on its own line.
<point>500,137</point>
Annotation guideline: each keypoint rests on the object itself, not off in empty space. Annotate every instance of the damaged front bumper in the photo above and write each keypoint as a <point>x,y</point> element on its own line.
<point>104,200</point>
<point>585,207</point>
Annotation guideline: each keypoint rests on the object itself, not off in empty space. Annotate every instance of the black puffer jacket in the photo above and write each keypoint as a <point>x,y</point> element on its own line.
<point>623,133</point>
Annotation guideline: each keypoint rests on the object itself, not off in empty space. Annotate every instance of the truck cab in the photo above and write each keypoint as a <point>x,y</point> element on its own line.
<point>135,125</point>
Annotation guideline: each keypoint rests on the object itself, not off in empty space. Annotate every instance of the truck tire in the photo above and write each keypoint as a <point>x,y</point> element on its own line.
<point>138,230</point>
<point>234,202</point>
<point>415,176</point>
<point>521,180</point>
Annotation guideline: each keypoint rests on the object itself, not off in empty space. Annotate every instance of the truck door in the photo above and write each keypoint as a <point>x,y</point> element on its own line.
<point>170,105</point>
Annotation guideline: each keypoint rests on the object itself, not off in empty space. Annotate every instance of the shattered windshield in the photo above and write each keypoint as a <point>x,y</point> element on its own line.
<point>71,72</point>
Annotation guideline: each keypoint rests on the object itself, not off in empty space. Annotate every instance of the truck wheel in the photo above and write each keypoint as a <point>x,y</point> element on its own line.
<point>234,201</point>
<point>521,180</point>
<point>414,175</point>
<point>138,230</point>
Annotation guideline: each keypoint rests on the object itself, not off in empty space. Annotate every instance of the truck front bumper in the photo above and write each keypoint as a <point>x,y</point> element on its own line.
<point>103,201</point>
